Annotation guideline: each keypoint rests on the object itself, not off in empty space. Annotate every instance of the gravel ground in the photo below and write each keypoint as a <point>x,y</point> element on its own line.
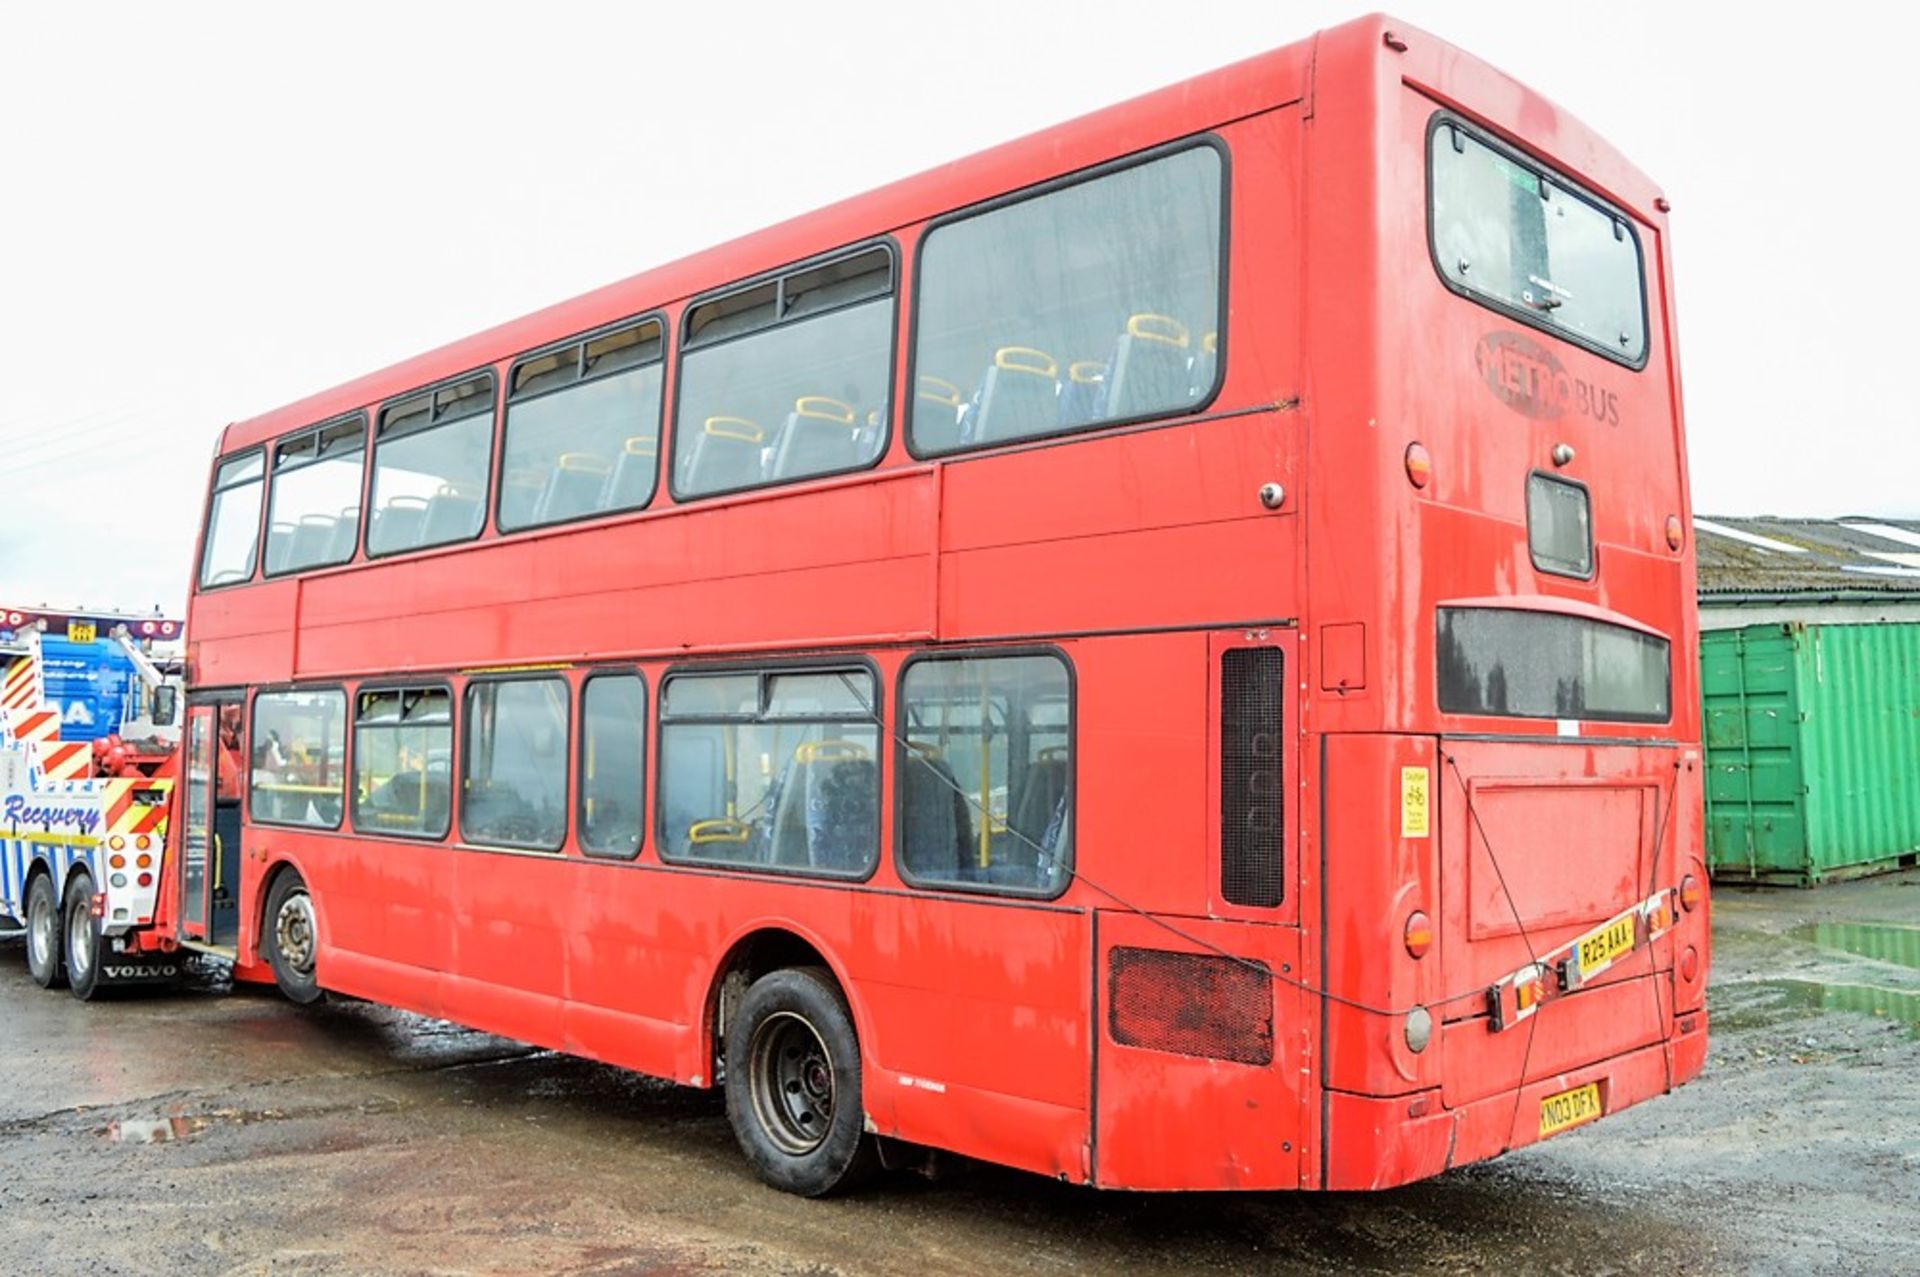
<point>220,1131</point>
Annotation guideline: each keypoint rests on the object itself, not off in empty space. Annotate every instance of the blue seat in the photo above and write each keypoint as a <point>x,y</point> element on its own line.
<point>632,480</point>
<point>725,455</point>
<point>1083,398</point>
<point>825,808</point>
<point>1019,396</point>
<point>397,525</point>
<point>1148,371</point>
<point>574,487</point>
<point>936,818</point>
<point>312,539</point>
<point>279,547</point>
<point>1203,367</point>
<point>936,415</point>
<point>820,435</point>
<point>346,535</point>
<point>452,515</point>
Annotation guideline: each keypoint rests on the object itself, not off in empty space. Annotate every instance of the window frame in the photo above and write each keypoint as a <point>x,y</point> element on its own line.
<point>346,752</point>
<point>581,339</point>
<point>206,523</point>
<point>1038,190</point>
<point>899,750</point>
<point>491,373</point>
<point>1593,536</point>
<point>1541,169</point>
<point>366,476</point>
<point>457,817</point>
<point>454,727</point>
<point>578,770</point>
<point>1622,625</point>
<point>766,670</point>
<point>670,425</point>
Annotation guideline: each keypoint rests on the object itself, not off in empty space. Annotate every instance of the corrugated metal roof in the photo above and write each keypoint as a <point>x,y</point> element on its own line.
<point>1808,558</point>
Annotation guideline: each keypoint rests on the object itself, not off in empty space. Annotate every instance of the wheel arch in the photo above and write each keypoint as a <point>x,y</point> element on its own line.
<point>771,944</point>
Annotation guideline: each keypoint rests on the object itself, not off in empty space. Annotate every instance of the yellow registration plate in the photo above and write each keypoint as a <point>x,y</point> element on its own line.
<point>1569,1108</point>
<point>1599,949</point>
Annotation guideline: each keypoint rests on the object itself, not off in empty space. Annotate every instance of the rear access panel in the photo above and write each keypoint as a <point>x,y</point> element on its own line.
<point>1202,1042</point>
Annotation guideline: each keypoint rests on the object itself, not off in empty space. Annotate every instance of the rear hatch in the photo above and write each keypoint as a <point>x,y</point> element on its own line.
<point>1541,846</point>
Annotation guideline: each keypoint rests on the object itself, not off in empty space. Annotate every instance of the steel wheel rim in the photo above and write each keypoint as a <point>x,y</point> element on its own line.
<point>41,930</point>
<point>79,944</point>
<point>293,933</point>
<point>790,1075</point>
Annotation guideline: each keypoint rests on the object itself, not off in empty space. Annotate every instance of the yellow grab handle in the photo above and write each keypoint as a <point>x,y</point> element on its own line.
<point>1151,327</point>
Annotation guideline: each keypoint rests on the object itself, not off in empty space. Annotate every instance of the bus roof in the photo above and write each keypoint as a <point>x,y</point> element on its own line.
<point>1254,84</point>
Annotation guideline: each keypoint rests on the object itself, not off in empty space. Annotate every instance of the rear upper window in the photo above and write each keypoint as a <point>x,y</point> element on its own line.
<point>1513,664</point>
<point>1513,236</point>
<point>1093,302</point>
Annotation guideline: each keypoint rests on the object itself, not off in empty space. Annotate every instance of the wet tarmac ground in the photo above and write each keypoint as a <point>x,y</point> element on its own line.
<point>218,1131</point>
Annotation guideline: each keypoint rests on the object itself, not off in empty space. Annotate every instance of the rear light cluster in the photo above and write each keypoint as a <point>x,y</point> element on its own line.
<point>1419,465</point>
<point>1191,1004</point>
<point>1419,934</point>
<point>1690,893</point>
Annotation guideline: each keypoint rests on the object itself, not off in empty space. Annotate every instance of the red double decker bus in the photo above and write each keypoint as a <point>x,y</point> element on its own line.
<point>1161,654</point>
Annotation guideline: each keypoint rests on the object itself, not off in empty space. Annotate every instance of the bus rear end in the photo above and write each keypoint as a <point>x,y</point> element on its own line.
<point>1515,927</point>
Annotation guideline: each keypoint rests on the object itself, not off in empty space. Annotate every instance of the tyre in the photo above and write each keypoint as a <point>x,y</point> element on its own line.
<point>45,961</point>
<point>292,940</point>
<point>793,1084</point>
<point>81,933</point>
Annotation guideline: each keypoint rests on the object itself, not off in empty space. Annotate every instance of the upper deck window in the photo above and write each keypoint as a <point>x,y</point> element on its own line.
<point>313,516</point>
<point>583,429</point>
<point>430,467</point>
<point>786,379</point>
<point>1509,663</point>
<point>1090,303</point>
<point>233,522</point>
<point>1513,236</point>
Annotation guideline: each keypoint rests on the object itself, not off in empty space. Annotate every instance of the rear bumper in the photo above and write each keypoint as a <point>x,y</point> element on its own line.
<point>1374,1142</point>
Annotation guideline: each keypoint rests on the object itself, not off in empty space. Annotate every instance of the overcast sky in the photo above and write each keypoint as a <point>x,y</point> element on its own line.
<point>210,210</point>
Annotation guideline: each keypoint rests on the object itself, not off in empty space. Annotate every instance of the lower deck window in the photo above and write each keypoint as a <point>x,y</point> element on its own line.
<point>613,742</point>
<point>1509,663</point>
<point>403,761</point>
<point>298,775</point>
<point>986,773</point>
<point>771,769</point>
<point>514,782</point>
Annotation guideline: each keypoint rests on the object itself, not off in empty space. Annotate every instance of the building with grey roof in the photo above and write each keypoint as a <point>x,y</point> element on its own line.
<point>1818,571</point>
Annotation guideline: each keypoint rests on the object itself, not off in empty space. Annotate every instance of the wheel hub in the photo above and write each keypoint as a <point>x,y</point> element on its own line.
<point>790,1076</point>
<point>41,930</point>
<point>293,930</point>
<point>79,945</point>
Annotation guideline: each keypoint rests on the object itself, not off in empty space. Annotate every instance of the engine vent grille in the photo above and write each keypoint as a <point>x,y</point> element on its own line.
<point>1191,1004</point>
<point>1252,784</point>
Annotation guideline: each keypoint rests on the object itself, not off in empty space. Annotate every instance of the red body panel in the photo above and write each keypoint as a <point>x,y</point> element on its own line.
<point>1143,554</point>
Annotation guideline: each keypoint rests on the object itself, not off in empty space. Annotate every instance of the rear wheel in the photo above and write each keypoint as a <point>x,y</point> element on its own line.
<point>793,1084</point>
<point>44,960</point>
<point>82,939</point>
<point>293,939</point>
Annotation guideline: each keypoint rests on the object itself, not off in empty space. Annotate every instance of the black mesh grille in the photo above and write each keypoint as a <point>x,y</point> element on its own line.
<point>1191,1004</point>
<point>1252,791</point>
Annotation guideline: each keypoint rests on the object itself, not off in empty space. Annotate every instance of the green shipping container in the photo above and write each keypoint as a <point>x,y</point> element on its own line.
<point>1813,750</point>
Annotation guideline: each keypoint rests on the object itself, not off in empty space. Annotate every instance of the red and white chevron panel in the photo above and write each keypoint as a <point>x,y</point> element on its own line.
<point>34,725</point>
<point>20,686</point>
<point>64,760</point>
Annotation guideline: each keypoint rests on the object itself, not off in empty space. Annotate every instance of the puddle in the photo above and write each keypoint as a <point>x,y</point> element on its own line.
<point>153,1130</point>
<point>1864,999</point>
<point>1881,942</point>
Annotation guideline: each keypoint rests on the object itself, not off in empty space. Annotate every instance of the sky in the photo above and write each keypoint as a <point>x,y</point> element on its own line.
<point>209,210</point>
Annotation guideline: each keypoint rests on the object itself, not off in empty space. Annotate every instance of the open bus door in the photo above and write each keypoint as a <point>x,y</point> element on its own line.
<point>210,842</point>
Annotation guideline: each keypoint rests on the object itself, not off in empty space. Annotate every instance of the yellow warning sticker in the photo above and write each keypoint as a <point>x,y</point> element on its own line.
<point>1413,802</point>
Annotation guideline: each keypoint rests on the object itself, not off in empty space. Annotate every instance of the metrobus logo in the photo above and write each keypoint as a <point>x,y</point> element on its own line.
<point>1527,377</point>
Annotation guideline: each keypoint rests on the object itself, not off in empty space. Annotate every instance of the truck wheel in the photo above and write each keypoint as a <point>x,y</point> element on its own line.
<point>44,961</point>
<point>793,1084</point>
<point>293,939</point>
<point>82,939</point>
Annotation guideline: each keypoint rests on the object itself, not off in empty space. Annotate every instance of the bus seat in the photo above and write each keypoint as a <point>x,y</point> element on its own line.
<point>279,546</point>
<point>820,434</point>
<point>520,493</point>
<point>346,535</point>
<point>1203,367</point>
<point>726,454</point>
<point>574,487</point>
<point>1041,792</point>
<point>1148,372</point>
<point>824,816</point>
<point>401,522</point>
<point>935,815</point>
<point>1083,398</point>
<point>936,414</point>
<point>450,517</point>
<point>632,479</point>
<point>311,540</point>
<point>1018,396</point>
